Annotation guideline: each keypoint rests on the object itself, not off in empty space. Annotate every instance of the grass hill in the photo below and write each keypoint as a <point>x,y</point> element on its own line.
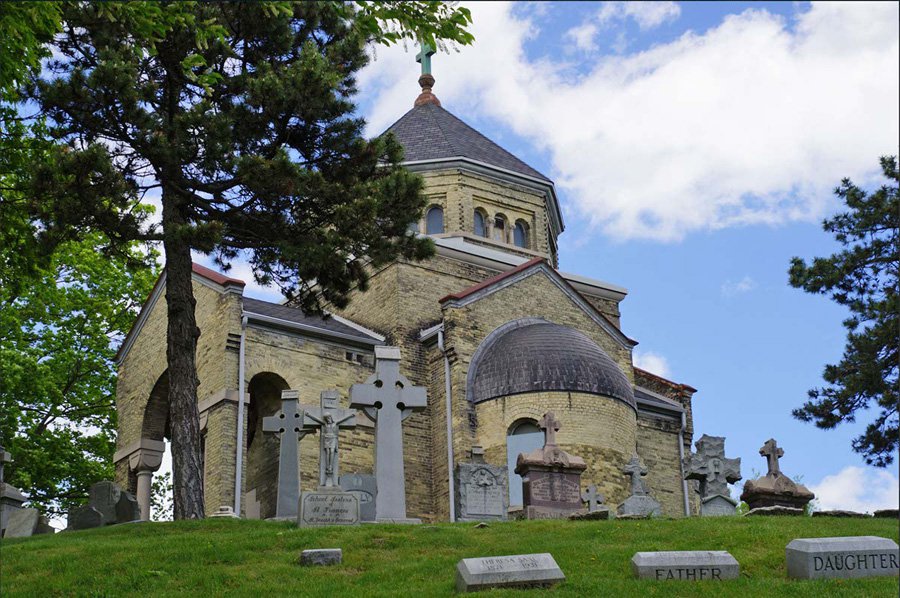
<point>223,557</point>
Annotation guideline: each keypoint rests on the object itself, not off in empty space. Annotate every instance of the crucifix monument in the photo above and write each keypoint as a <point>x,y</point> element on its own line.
<point>288,423</point>
<point>714,471</point>
<point>388,398</point>
<point>329,418</point>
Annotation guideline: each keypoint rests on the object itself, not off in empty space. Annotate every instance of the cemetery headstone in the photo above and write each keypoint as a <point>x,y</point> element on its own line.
<point>321,556</point>
<point>596,508</point>
<point>22,523</point>
<point>640,503</point>
<point>329,419</point>
<point>388,398</point>
<point>107,504</point>
<point>551,477</point>
<point>515,571</point>
<point>44,527</point>
<point>363,486</point>
<point>687,565</point>
<point>328,506</point>
<point>288,423</point>
<point>481,489</point>
<point>11,500</point>
<point>775,489</point>
<point>848,557</point>
<point>714,471</point>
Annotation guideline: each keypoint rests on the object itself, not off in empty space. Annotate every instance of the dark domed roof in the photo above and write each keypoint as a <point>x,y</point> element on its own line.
<point>543,356</point>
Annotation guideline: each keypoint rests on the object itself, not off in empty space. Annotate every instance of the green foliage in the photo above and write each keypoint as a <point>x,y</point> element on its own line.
<point>161,497</point>
<point>57,384</point>
<point>231,557</point>
<point>863,277</point>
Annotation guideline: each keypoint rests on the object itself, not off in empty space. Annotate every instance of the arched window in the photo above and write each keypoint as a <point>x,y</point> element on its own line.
<point>523,437</point>
<point>500,228</point>
<point>480,225</point>
<point>520,234</point>
<point>434,221</point>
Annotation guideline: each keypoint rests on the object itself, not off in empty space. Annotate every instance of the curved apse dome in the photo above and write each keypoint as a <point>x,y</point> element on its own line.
<point>542,356</point>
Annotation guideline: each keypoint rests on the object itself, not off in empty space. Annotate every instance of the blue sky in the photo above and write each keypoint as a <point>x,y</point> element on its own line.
<point>694,148</point>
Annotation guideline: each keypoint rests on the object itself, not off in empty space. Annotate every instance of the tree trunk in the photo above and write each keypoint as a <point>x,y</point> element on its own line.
<point>181,356</point>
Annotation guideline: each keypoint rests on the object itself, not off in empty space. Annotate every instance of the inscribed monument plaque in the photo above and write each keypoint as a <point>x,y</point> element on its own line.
<point>516,571</point>
<point>481,489</point>
<point>847,557</point>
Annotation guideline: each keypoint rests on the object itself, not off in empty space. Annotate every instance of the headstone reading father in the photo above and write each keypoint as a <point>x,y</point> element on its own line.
<point>288,423</point>
<point>551,477</point>
<point>853,556</point>
<point>775,489</point>
<point>516,571</point>
<point>640,503</point>
<point>107,504</point>
<point>481,492</point>
<point>363,486</point>
<point>388,398</point>
<point>686,565</point>
<point>715,472</point>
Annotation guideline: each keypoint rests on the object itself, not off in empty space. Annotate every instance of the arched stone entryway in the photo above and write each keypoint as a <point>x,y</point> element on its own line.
<point>262,449</point>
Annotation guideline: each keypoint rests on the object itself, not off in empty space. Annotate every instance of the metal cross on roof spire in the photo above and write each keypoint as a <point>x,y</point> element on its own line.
<point>424,57</point>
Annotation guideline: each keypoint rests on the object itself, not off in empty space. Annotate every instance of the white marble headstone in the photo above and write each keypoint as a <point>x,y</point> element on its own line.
<point>853,556</point>
<point>515,571</point>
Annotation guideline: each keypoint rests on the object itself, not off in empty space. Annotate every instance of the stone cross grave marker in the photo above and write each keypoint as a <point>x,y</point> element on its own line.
<point>288,423</point>
<point>593,498</point>
<point>847,557</point>
<point>329,418</point>
<point>640,503</point>
<point>550,425</point>
<point>388,398</point>
<point>772,452</point>
<point>685,565</point>
<point>635,470</point>
<point>714,471</point>
<point>515,571</point>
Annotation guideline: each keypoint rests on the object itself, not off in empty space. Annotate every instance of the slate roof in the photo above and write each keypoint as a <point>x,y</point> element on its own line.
<point>296,316</point>
<point>428,132</point>
<point>543,357</point>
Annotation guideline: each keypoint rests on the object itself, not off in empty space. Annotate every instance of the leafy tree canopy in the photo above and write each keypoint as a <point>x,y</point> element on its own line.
<point>864,277</point>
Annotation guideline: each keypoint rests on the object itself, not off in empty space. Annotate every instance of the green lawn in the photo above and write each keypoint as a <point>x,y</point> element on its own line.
<point>219,557</point>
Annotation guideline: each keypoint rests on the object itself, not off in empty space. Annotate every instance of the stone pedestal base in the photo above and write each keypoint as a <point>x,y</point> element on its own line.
<point>642,506</point>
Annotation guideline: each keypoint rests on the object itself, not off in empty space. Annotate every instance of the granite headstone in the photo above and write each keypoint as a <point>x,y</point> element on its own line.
<point>847,557</point>
<point>640,503</point>
<point>363,486</point>
<point>321,556</point>
<point>481,489</point>
<point>714,471</point>
<point>687,565</point>
<point>288,424</point>
<point>775,489</point>
<point>22,523</point>
<point>514,571</point>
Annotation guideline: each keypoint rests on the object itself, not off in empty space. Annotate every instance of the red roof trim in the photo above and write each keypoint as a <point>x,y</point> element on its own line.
<point>214,276</point>
<point>490,281</point>
<point>666,381</point>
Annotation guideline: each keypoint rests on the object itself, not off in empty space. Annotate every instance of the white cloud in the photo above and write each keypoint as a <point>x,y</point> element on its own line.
<point>753,121</point>
<point>648,15</point>
<point>583,36</point>
<point>858,489</point>
<point>744,285</point>
<point>652,362</point>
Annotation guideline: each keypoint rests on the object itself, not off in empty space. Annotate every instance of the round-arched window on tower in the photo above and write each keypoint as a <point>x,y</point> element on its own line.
<point>523,437</point>
<point>480,224</point>
<point>520,234</point>
<point>434,221</point>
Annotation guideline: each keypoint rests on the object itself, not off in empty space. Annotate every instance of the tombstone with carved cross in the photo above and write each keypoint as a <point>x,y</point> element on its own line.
<point>714,472</point>
<point>288,424</point>
<point>640,503</point>
<point>388,398</point>
<point>481,489</point>
<point>775,489</point>
<point>551,477</point>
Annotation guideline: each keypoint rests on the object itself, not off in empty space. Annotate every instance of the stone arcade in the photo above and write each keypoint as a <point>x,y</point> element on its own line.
<point>489,329</point>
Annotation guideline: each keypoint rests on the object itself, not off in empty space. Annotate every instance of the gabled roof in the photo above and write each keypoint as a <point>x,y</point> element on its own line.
<point>530,268</point>
<point>272,313</point>
<point>428,132</point>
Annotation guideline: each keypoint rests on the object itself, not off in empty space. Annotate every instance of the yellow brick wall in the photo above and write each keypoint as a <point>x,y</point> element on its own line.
<point>657,445</point>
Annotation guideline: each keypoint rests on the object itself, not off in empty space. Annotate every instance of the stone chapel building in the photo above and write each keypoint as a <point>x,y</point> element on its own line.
<point>494,332</point>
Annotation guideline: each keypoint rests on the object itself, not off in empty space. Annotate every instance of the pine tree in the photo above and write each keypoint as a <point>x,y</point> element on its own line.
<point>240,116</point>
<point>864,277</point>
